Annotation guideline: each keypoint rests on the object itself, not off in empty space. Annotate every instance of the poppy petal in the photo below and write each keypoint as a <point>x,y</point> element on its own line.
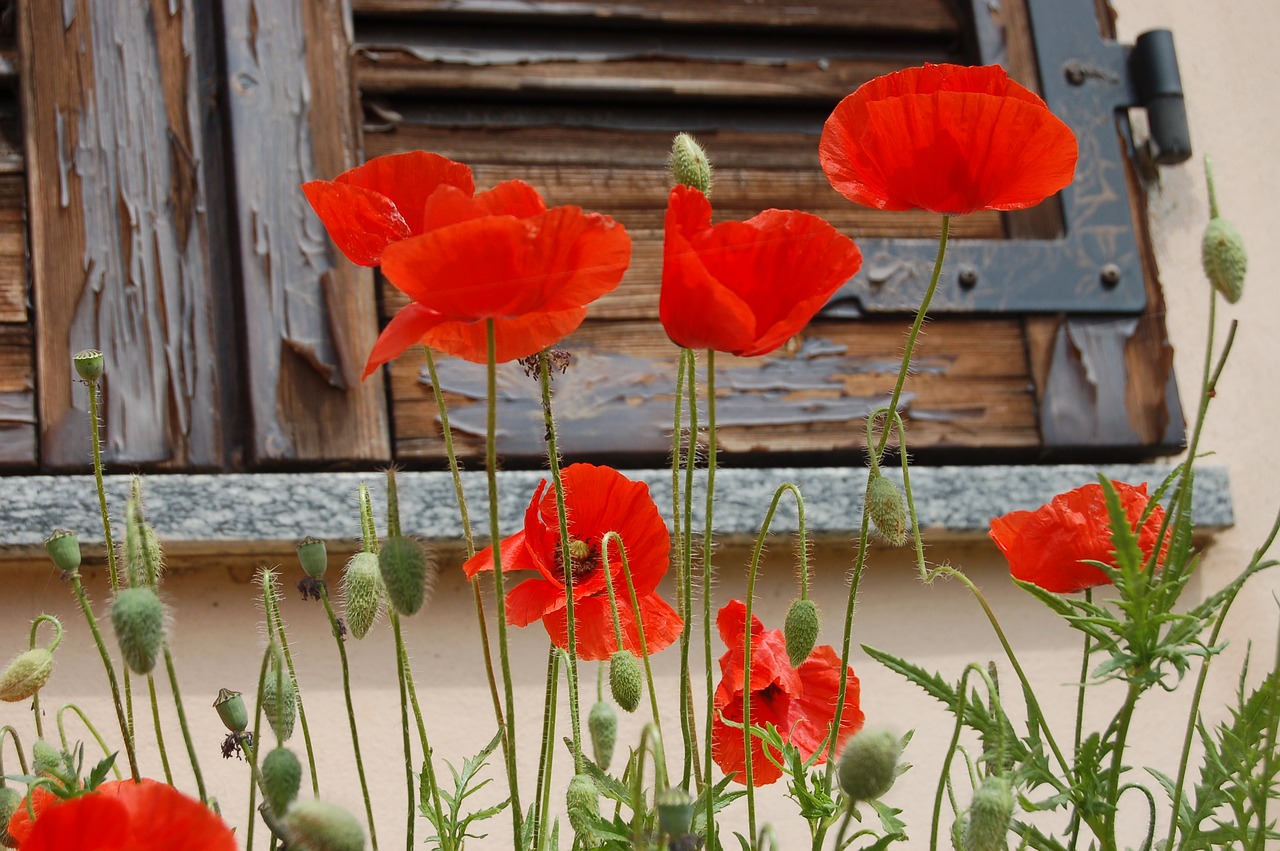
<point>512,550</point>
<point>449,205</point>
<point>531,600</point>
<point>594,626</point>
<point>407,328</point>
<point>360,222</point>
<point>408,180</point>
<point>90,823</point>
<point>516,337</point>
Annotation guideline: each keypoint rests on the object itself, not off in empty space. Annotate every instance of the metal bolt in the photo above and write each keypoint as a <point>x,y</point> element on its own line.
<point>1075,73</point>
<point>1110,275</point>
<point>968,277</point>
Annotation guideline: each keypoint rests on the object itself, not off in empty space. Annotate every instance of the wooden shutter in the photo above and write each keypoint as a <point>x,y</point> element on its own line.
<point>18,444</point>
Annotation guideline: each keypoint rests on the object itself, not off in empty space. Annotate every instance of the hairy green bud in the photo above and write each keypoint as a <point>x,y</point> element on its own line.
<point>1224,258</point>
<point>280,702</point>
<point>800,630</point>
<point>362,591</point>
<point>281,779</point>
<point>869,765</point>
<point>989,816</point>
<point>25,675</point>
<point>137,615</point>
<point>675,811</point>
<point>689,164</point>
<point>888,510</point>
<point>602,724</point>
<point>626,681</point>
<point>45,758</point>
<point>311,825</point>
<point>583,804</point>
<point>407,570</point>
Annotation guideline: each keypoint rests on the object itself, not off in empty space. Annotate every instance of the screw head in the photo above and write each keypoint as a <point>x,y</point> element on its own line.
<point>1110,275</point>
<point>967,277</point>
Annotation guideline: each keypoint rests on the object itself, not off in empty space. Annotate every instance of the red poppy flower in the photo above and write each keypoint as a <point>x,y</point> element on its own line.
<point>946,138</point>
<point>1050,546</point>
<point>598,500</point>
<point>121,815</point>
<point>800,702</point>
<point>382,202</point>
<point>746,287</point>
<point>500,255</point>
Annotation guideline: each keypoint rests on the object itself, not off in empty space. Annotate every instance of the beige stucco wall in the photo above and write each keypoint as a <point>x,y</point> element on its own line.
<point>1231,83</point>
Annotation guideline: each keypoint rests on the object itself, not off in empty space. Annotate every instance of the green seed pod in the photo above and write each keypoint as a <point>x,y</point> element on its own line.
<point>887,509</point>
<point>602,723</point>
<point>232,711</point>
<point>25,675</point>
<point>988,825</point>
<point>583,804</point>
<point>1224,258</point>
<point>626,681</point>
<point>138,618</point>
<point>10,800</point>
<point>801,630</point>
<point>45,758</point>
<point>407,570</point>
<point>281,779</point>
<point>89,364</point>
<point>689,164</point>
<point>362,590</point>
<point>869,765</point>
<point>64,549</point>
<point>312,825</point>
<point>314,557</point>
<point>280,707</point>
<point>675,811</point>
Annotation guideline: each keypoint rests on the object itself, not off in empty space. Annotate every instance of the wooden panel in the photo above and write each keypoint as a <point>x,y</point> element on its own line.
<point>17,397</point>
<point>13,248</point>
<point>970,389</point>
<point>310,316</point>
<point>919,16</point>
<point>120,249</point>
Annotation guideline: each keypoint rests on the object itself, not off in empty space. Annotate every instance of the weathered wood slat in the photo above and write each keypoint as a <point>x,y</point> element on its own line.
<point>310,316</point>
<point>970,389</point>
<point>17,397</point>
<point>120,250</point>
<point>13,248</point>
<point>919,16</point>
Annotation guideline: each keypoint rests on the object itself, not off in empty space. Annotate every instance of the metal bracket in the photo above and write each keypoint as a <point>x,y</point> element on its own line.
<point>1090,83</point>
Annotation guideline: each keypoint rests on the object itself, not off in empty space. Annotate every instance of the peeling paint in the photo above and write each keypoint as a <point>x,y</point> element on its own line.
<point>1084,394</point>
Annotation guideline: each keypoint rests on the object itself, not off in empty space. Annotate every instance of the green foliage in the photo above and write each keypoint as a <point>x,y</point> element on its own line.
<point>452,826</point>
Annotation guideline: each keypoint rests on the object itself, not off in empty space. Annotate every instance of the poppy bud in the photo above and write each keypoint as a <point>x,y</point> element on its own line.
<point>869,765</point>
<point>625,680</point>
<point>362,590</point>
<point>231,709</point>
<point>801,630</point>
<point>675,811</point>
<point>689,164</point>
<point>887,509</point>
<point>312,825</point>
<point>89,364</point>
<point>25,675</point>
<point>406,571</point>
<point>10,799</point>
<point>280,706</point>
<point>138,618</point>
<point>988,825</point>
<point>1224,258</point>
<point>143,557</point>
<point>64,549</point>
<point>281,779</point>
<point>583,803</point>
<point>45,758</point>
<point>602,723</point>
<point>314,557</point>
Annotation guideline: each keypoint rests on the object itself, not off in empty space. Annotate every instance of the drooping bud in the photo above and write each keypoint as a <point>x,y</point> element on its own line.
<point>675,811</point>
<point>1224,258</point>
<point>988,824</point>
<point>45,758</point>
<point>887,509</point>
<point>626,681</point>
<point>801,630</point>
<point>313,557</point>
<point>64,549</point>
<point>89,364</point>
<point>312,825</point>
<point>362,591</point>
<point>280,702</point>
<point>583,804</point>
<point>25,675</point>
<point>231,709</point>
<point>689,164</point>
<point>281,779</point>
<point>10,799</point>
<point>138,618</point>
<point>407,570</point>
<point>602,724</point>
<point>869,765</point>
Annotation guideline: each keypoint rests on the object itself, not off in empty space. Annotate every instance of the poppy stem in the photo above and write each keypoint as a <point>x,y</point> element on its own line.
<point>851,606</point>
<point>684,528</point>
<point>17,744</point>
<point>945,773</point>
<point>546,754</point>
<point>275,627</point>
<point>155,722</point>
<point>708,542</point>
<point>428,758</point>
<point>500,601</point>
<point>914,334</point>
<point>683,587</point>
<point>553,458</point>
<point>125,729</point>
<point>62,736</point>
<point>95,426</point>
<point>635,611</point>
<point>351,711</point>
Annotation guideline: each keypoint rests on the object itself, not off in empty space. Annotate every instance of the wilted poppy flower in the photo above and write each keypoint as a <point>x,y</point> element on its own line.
<point>746,287</point>
<point>800,702</point>
<point>499,255</point>
<point>946,138</point>
<point>1051,546</point>
<point>373,205</point>
<point>598,500</point>
<point>121,815</point>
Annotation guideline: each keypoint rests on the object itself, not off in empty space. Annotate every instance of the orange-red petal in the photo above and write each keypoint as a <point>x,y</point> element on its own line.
<point>594,626</point>
<point>408,180</point>
<point>407,328</point>
<point>516,337</point>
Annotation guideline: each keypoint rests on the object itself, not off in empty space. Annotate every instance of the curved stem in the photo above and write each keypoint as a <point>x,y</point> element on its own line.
<point>945,773</point>
<point>499,584</point>
<point>62,736</point>
<point>351,711</point>
<point>708,571</point>
<point>107,665</point>
<point>17,746</point>
<point>650,742</point>
<point>635,612</point>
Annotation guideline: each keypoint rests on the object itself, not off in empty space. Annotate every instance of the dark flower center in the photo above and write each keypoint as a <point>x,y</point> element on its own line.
<point>584,558</point>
